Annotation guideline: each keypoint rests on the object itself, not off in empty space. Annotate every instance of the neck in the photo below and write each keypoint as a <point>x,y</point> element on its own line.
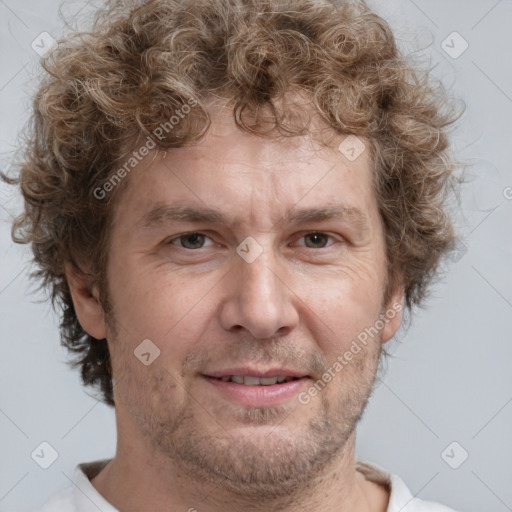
<point>140,478</point>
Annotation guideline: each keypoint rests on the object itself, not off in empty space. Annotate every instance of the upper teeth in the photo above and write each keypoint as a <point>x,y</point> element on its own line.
<point>256,381</point>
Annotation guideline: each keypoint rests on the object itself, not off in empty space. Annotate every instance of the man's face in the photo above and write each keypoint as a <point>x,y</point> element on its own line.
<point>176,278</point>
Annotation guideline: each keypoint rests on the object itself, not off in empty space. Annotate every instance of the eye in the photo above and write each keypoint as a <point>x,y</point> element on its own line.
<point>317,240</point>
<point>189,240</point>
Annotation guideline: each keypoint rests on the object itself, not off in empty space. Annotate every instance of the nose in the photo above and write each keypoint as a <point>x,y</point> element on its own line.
<point>259,299</point>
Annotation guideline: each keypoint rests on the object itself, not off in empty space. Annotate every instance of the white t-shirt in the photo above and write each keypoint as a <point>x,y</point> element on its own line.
<point>81,496</point>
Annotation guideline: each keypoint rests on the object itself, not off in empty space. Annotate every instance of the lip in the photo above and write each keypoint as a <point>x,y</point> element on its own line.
<point>258,396</point>
<point>253,372</point>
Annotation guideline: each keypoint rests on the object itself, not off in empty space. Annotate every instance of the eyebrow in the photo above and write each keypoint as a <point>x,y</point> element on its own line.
<point>163,214</point>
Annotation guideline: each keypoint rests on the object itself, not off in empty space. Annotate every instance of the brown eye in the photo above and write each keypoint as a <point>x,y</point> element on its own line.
<point>190,240</point>
<point>317,240</point>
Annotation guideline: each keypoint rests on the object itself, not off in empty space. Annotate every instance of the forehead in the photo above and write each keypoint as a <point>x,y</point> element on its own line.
<point>232,169</point>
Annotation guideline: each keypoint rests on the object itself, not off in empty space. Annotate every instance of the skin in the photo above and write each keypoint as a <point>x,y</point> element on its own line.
<point>300,304</point>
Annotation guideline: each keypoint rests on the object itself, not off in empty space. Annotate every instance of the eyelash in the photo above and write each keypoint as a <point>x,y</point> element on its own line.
<point>184,235</point>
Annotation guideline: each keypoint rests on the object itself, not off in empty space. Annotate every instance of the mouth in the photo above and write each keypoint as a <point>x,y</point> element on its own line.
<point>257,388</point>
<point>249,380</point>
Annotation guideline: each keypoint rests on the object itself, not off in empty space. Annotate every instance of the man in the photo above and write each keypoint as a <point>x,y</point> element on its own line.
<point>233,201</point>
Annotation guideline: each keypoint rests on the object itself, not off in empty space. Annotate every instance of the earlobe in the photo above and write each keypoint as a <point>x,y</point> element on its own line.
<point>392,314</point>
<point>86,302</point>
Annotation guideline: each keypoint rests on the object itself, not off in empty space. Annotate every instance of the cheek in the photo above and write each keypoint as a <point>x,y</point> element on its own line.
<point>154,301</point>
<point>169,308</point>
<point>342,305</point>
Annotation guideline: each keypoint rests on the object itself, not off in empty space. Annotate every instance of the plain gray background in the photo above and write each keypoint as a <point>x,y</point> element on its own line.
<point>450,379</point>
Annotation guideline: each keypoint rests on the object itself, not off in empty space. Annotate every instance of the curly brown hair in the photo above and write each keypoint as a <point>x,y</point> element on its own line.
<point>142,61</point>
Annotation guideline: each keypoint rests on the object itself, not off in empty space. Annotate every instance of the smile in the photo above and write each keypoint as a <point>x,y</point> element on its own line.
<point>249,380</point>
<point>257,391</point>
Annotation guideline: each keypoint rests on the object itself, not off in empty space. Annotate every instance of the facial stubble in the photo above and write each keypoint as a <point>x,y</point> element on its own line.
<point>272,467</point>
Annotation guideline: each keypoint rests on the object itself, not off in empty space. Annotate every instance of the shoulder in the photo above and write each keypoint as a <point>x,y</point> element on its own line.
<point>60,502</point>
<point>401,498</point>
<point>80,495</point>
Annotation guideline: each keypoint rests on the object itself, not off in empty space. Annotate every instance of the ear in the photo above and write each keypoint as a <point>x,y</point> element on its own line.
<point>86,302</point>
<point>392,314</point>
